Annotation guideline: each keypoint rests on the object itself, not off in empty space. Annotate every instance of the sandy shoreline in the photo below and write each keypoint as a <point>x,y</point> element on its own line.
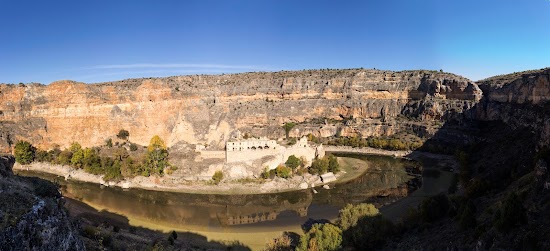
<point>176,184</point>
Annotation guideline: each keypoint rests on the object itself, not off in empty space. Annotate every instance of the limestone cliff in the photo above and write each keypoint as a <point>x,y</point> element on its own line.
<point>207,109</point>
<point>520,100</point>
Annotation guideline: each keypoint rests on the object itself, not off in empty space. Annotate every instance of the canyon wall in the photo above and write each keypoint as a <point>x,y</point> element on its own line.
<point>519,100</point>
<point>208,109</point>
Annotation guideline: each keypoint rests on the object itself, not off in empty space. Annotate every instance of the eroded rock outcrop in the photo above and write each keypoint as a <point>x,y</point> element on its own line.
<point>520,100</point>
<point>31,214</point>
<point>206,109</point>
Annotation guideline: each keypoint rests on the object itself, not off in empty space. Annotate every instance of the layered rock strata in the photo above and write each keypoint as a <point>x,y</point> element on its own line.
<point>207,109</point>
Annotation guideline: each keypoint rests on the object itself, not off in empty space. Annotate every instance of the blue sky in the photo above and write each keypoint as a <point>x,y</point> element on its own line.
<point>95,41</point>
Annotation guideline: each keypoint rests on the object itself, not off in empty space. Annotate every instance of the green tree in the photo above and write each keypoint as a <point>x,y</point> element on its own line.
<point>283,172</point>
<point>333,165</point>
<point>41,156</point>
<point>319,166</point>
<point>75,146</point>
<point>293,162</point>
<point>156,143</point>
<point>77,158</point>
<point>91,160</point>
<point>288,126</point>
<point>157,157</point>
<point>64,157</point>
<point>217,177</point>
<point>350,214</point>
<point>24,152</point>
<point>321,237</point>
<point>113,172</point>
<point>123,134</point>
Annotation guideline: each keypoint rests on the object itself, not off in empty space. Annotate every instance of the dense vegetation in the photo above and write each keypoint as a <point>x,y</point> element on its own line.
<point>297,166</point>
<point>393,143</point>
<point>24,152</point>
<point>358,226</point>
<point>328,163</point>
<point>113,162</point>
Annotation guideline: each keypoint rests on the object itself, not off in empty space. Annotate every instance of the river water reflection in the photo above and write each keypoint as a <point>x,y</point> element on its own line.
<point>386,178</point>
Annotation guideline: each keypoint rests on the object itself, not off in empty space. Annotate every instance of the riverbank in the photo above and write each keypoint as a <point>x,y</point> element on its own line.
<point>177,184</point>
<point>366,150</point>
<point>172,183</point>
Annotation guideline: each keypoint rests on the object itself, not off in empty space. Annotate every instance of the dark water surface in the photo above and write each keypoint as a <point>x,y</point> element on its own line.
<point>385,180</point>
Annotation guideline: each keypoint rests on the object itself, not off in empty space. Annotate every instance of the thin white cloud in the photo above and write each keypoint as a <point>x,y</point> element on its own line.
<point>181,66</point>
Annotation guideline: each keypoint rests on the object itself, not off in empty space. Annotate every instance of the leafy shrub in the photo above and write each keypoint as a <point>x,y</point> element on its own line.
<point>123,134</point>
<point>319,166</point>
<point>350,214</point>
<point>42,156</point>
<point>64,158</point>
<point>76,159</point>
<point>312,138</point>
<point>321,237</point>
<point>333,165</point>
<point>75,146</point>
<point>157,157</point>
<point>112,172</point>
<point>24,152</point>
<point>283,172</point>
<point>328,163</point>
<point>217,177</point>
<point>266,174</point>
<point>293,162</point>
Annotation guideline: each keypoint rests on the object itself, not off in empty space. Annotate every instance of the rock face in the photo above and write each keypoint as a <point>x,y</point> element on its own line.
<point>31,215</point>
<point>207,109</point>
<point>531,87</point>
<point>520,100</point>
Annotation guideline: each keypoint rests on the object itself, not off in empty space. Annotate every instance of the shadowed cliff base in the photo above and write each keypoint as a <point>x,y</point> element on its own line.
<point>500,197</point>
